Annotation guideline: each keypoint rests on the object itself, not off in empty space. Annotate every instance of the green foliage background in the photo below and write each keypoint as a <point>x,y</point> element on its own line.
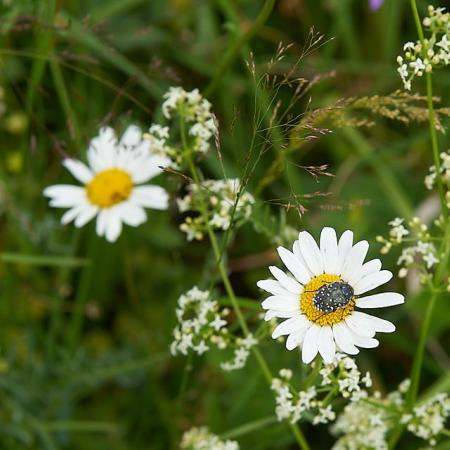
<point>69,67</point>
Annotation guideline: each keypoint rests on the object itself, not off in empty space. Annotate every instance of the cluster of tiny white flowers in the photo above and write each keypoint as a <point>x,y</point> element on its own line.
<point>344,373</point>
<point>158,137</point>
<point>200,324</point>
<point>194,109</point>
<point>417,60</point>
<point>421,251</point>
<point>196,112</point>
<point>428,419</point>
<point>241,353</point>
<point>362,425</point>
<point>365,422</point>
<point>202,439</point>
<point>222,204</point>
<point>292,405</point>
<point>430,179</point>
<point>341,377</point>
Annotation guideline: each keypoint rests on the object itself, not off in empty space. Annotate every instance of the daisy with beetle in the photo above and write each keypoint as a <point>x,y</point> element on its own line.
<point>112,188</point>
<point>320,302</point>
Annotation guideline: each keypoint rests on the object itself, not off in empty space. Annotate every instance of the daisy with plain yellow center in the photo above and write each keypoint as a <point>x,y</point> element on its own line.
<point>321,298</point>
<point>112,187</point>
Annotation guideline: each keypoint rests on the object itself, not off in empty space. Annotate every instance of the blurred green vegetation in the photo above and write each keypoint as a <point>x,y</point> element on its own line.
<point>69,67</point>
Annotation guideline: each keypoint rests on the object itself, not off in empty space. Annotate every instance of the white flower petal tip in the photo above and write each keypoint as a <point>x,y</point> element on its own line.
<point>109,188</point>
<point>380,300</point>
<point>310,252</point>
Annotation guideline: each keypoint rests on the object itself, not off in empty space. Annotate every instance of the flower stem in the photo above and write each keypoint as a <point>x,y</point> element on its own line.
<point>431,113</point>
<point>227,284</point>
<point>83,289</point>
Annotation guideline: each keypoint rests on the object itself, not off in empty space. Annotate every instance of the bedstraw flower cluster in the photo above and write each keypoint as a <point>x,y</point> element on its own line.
<point>428,419</point>
<point>195,113</point>
<point>340,378</point>
<point>417,60</point>
<point>365,423</point>
<point>290,404</point>
<point>202,439</point>
<point>430,179</point>
<point>200,324</point>
<point>344,377</point>
<point>224,201</point>
<point>418,248</point>
<point>241,353</point>
<point>361,425</point>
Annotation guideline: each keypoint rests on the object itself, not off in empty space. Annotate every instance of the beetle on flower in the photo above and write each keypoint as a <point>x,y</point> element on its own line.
<point>320,302</point>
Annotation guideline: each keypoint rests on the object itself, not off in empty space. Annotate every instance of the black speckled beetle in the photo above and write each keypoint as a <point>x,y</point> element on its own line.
<point>332,296</point>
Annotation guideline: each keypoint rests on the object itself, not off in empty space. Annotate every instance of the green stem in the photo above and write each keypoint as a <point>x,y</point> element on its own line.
<point>431,113</point>
<point>249,427</point>
<point>420,350</point>
<point>234,49</point>
<point>226,281</point>
<point>83,290</point>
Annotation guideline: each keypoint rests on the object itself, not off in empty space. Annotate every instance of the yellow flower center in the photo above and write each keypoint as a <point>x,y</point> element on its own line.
<point>109,187</point>
<point>312,312</point>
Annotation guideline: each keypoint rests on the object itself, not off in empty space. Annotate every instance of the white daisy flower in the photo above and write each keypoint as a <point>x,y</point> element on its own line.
<point>111,183</point>
<point>320,302</point>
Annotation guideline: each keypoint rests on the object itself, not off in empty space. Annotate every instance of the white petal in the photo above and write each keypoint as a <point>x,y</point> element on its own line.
<point>102,152</point>
<point>329,249</point>
<point>296,339</point>
<point>372,281</point>
<point>360,327</point>
<point>343,338</point>
<point>305,269</point>
<point>344,246</point>
<point>272,313</point>
<point>326,345</point>
<point>288,326</point>
<point>380,300</point>
<point>71,214</point>
<point>86,214</point>
<point>131,214</point>
<point>310,342</point>
<point>149,167</point>
<point>78,169</point>
<point>102,220</point>
<point>113,226</point>
<point>282,303</point>
<point>379,325</point>
<point>286,281</point>
<point>293,264</point>
<point>273,287</point>
<point>367,268</point>
<point>154,197</point>
<point>311,252</point>
<point>365,342</point>
<point>65,195</point>
<point>131,137</point>
<point>374,265</point>
<point>354,260</point>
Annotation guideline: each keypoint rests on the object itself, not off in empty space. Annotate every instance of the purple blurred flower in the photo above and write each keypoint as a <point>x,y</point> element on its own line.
<point>375,4</point>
